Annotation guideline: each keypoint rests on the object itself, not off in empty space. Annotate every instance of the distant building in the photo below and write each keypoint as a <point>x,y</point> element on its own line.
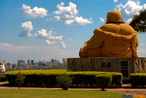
<point>52,60</point>
<point>28,62</point>
<point>40,63</point>
<point>49,64</point>
<point>32,62</point>
<point>64,62</point>
<point>44,61</point>
<point>57,62</point>
<point>21,64</point>
<point>8,65</point>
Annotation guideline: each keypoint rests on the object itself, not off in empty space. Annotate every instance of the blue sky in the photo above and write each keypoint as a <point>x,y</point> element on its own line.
<point>56,29</point>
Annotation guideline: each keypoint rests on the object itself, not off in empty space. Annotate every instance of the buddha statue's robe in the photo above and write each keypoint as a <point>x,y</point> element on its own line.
<point>113,39</point>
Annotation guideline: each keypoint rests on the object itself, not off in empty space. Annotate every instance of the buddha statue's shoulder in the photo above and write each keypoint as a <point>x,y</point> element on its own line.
<point>121,30</point>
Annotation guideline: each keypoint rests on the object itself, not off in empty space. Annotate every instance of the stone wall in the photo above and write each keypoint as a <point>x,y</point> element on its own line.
<point>135,65</point>
<point>139,65</point>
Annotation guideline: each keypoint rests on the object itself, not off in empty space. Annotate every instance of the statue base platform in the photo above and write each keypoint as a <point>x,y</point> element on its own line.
<point>125,65</point>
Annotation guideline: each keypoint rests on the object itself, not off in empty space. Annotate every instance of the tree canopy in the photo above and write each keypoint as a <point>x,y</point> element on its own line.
<point>139,22</point>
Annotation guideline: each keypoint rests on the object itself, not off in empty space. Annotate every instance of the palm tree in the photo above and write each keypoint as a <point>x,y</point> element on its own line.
<point>139,22</point>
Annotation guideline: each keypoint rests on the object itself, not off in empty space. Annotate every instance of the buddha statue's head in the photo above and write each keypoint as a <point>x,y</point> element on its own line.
<point>114,16</point>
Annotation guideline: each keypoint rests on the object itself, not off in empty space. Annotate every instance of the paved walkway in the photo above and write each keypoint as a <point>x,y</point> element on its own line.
<point>123,89</point>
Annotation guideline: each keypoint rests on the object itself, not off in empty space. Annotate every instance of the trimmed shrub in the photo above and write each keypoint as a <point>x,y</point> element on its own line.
<point>64,81</point>
<point>47,78</point>
<point>138,79</point>
<point>103,81</point>
<point>117,79</point>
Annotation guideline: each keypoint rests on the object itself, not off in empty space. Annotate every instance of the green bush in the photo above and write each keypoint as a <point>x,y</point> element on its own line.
<point>103,81</point>
<point>3,78</point>
<point>138,79</point>
<point>64,81</point>
<point>47,78</point>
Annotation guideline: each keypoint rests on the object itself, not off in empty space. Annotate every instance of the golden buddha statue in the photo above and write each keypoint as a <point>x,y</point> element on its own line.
<point>113,39</point>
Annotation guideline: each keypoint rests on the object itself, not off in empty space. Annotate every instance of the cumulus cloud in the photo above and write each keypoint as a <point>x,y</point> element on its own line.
<point>62,44</point>
<point>65,13</point>
<point>115,0</point>
<point>130,8</point>
<point>33,13</point>
<point>78,20</point>
<point>101,20</point>
<point>43,34</point>
<point>27,27</point>
<point>47,42</point>
<point>49,38</point>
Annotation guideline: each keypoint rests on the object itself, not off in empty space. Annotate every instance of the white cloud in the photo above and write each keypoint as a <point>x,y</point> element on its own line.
<point>65,13</point>
<point>130,8</point>
<point>43,34</point>
<point>63,44</point>
<point>115,0</point>
<point>70,39</point>
<point>47,42</point>
<point>56,18</point>
<point>54,32</point>
<point>35,12</point>
<point>52,29</point>
<point>101,20</point>
<point>25,7</point>
<point>141,44</point>
<point>129,20</point>
<point>49,38</point>
<point>5,45</point>
<point>61,54</point>
<point>142,52</point>
<point>78,21</point>
<point>12,47</point>
<point>144,6</point>
<point>27,27</point>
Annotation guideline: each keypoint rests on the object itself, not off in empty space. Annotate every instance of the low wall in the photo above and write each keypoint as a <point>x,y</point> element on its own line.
<point>135,64</point>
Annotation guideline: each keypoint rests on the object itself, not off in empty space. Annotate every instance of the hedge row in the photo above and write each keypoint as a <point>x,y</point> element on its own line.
<point>48,77</point>
<point>2,78</point>
<point>138,79</point>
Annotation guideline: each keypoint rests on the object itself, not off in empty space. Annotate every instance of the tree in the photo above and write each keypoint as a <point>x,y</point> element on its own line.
<point>139,22</point>
<point>20,79</point>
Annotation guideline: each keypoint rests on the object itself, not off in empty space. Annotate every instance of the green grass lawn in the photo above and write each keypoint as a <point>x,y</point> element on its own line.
<point>29,93</point>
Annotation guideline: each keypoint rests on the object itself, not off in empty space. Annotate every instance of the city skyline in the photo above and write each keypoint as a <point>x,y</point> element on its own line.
<point>48,29</point>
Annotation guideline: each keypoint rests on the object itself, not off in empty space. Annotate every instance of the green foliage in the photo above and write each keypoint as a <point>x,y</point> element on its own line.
<point>3,78</point>
<point>20,79</point>
<point>138,79</point>
<point>47,78</point>
<point>64,81</point>
<point>139,21</point>
<point>103,81</point>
